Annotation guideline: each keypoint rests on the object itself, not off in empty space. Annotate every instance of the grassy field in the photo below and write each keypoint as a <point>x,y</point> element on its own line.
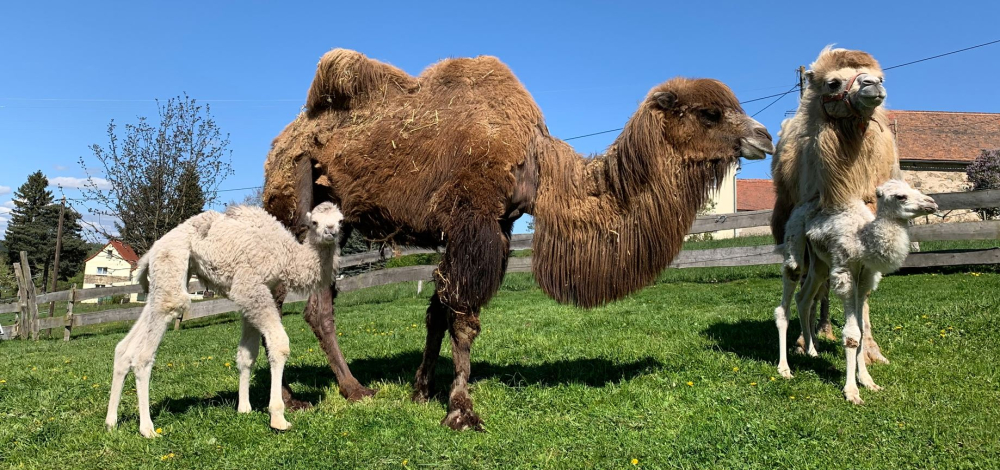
<point>681,375</point>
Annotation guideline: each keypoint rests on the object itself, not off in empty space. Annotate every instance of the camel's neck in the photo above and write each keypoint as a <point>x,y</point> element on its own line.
<point>886,242</point>
<point>854,158</point>
<point>608,226</point>
<point>313,265</point>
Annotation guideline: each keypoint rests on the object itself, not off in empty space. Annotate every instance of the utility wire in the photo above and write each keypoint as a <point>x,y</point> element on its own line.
<point>942,55</point>
<point>793,88</point>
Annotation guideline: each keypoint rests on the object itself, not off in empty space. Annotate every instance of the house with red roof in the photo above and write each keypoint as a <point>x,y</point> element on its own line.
<point>113,265</point>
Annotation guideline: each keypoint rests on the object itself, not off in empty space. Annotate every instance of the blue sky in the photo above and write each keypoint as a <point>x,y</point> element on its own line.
<point>68,68</point>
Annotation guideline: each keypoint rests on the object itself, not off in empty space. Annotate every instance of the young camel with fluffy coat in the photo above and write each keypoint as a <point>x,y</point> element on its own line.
<point>850,248</point>
<point>243,254</point>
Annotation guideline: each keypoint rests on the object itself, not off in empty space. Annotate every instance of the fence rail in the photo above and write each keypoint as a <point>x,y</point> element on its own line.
<point>28,321</point>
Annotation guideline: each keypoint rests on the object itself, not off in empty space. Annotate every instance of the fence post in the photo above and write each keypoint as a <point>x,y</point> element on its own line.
<point>21,327</point>
<point>68,329</point>
<point>420,286</point>
<point>29,287</point>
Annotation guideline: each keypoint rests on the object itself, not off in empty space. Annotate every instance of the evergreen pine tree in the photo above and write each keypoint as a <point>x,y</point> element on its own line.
<point>25,232</point>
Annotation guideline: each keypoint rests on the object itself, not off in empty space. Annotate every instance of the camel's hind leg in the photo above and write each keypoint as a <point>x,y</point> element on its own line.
<point>259,309</point>
<point>246,356</point>
<point>805,300</point>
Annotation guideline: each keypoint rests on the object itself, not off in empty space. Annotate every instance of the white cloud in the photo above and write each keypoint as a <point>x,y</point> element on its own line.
<point>9,204</point>
<point>5,210</point>
<point>77,183</point>
<point>60,167</point>
<point>4,189</point>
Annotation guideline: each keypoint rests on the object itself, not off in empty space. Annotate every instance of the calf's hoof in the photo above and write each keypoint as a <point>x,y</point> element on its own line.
<point>148,433</point>
<point>357,393</point>
<point>279,424</point>
<point>873,354</point>
<point>461,420</point>
<point>853,396</point>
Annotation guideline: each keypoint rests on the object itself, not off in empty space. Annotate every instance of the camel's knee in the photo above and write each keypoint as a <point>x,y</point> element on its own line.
<point>465,327</point>
<point>840,283</point>
<point>852,336</point>
<point>781,317</point>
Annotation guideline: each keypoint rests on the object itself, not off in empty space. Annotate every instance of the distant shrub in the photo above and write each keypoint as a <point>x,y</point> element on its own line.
<point>984,173</point>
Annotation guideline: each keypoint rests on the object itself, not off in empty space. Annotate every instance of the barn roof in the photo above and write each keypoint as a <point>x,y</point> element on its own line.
<point>754,195</point>
<point>944,136</point>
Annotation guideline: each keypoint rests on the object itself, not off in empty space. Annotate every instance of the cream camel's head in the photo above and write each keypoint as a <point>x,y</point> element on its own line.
<point>898,200</point>
<point>847,83</point>
<point>702,120</point>
<point>324,223</point>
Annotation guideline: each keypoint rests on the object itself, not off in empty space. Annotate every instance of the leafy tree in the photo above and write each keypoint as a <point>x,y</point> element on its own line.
<point>24,231</point>
<point>984,173</point>
<point>157,175</point>
<point>33,228</point>
<point>8,283</point>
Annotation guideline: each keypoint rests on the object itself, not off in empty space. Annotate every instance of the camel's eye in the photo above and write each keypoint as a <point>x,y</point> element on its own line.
<point>315,224</point>
<point>900,197</point>
<point>834,84</point>
<point>710,116</point>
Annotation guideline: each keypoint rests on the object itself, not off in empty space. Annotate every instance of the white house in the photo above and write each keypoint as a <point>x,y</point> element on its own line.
<point>723,201</point>
<point>114,265</point>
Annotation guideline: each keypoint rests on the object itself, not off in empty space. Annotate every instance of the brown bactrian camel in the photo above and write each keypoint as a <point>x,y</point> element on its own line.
<point>836,148</point>
<point>454,156</point>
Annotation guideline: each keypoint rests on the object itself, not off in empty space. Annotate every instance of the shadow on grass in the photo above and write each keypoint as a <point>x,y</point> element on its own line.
<point>311,381</point>
<point>757,340</point>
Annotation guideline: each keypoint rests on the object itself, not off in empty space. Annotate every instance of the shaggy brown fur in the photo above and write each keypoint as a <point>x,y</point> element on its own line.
<point>453,157</point>
<point>832,157</point>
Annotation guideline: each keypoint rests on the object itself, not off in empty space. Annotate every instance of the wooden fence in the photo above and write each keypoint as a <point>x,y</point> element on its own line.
<point>29,324</point>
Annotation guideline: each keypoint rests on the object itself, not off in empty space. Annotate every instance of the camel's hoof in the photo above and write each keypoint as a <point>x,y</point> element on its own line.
<point>149,433</point>
<point>280,425</point>
<point>291,403</point>
<point>357,394</point>
<point>421,395</point>
<point>873,355</point>
<point>853,396</point>
<point>872,386</point>
<point>826,333</point>
<point>785,372</point>
<point>245,409</point>
<point>461,420</point>
<point>110,425</point>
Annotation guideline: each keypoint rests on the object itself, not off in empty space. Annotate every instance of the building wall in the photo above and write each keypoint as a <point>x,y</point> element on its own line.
<point>930,181</point>
<point>723,201</point>
<point>119,272</point>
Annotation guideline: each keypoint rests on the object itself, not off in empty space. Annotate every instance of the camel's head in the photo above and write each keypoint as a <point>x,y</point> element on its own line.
<point>848,83</point>
<point>324,223</point>
<point>898,200</point>
<point>703,121</point>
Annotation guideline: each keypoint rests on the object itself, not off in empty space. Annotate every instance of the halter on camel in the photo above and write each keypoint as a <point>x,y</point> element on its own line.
<point>845,96</point>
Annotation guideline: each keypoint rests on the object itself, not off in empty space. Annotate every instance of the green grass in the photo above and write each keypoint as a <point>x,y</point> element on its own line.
<point>677,376</point>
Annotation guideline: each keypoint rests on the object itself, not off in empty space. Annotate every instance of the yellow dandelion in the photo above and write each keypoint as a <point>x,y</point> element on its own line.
<point>34,368</point>
<point>210,358</point>
<point>97,385</point>
<point>340,334</point>
<point>792,397</point>
<point>924,317</point>
<point>405,461</point>
<point>772,379</point>
<point>690,384</point>
<point>159,430</point>
<point>67,361</point>
<point>900,424</point>
<point>85,377</point>
<point>943,335</point>
<point>228,365</point>
<point>635,461</point>
<point>753,384</point>
<point>52,418</point>
<point>168,456</point>
<point>898,327</point>
<point>950,328</point>
<point>2,381</point>
<point>736,369</point>
<point>310,349</point>
<point>414,325</point>
<point>170,364</point>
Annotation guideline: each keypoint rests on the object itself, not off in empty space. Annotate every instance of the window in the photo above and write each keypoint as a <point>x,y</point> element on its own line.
<point>98,285</point>
<point>111,254</point>
<point>102,270</point>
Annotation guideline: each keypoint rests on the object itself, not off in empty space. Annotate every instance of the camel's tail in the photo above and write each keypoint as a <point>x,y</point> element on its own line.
<point>345,78</point>
<point>142,272</point>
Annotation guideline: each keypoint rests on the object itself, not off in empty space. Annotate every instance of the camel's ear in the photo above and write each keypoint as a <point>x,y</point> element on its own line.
<point>309,216</point>
<point>666,99</point>
<point>879,193</point>
<point>810,74</point>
